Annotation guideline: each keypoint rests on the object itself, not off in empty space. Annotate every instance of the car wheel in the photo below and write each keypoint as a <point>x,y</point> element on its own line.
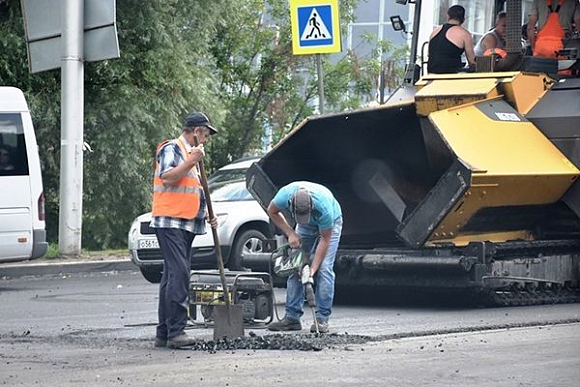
<point>249,241</point>
<point>151,274</point>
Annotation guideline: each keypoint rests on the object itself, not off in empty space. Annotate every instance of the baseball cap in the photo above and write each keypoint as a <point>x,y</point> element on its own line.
<point>301,205</point>
<point>199,119</point>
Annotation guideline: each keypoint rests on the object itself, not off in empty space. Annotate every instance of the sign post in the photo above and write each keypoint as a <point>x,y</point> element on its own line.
<point>320,84</point>
<point>315,30</point>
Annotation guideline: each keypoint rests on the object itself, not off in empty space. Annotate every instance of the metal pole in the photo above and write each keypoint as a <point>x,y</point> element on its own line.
<point>382,84</point>
<point>71,143</point>
<point>410,74</point>
<point>320,84</point>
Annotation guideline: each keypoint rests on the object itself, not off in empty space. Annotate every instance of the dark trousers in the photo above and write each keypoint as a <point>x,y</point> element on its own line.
<point>175,246</point>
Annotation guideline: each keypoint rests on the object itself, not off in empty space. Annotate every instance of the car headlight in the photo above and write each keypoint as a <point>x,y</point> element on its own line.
<point>221,219</point>
<point>133,234</point>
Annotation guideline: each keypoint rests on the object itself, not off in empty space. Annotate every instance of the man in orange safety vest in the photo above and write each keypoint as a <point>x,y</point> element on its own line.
<point>554,19</point>
<point>178,215</point>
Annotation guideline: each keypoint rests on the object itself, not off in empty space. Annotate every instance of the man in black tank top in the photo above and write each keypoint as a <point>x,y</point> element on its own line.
<point>448,42</point>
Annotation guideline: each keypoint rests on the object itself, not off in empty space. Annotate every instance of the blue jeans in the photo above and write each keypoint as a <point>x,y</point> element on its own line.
<point>323,279</point>
<point>175,245</point>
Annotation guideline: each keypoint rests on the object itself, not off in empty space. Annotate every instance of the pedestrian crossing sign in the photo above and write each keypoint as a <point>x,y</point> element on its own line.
<point>315,26</point>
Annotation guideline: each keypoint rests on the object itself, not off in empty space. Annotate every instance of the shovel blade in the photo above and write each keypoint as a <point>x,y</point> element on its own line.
<point>229,322</point>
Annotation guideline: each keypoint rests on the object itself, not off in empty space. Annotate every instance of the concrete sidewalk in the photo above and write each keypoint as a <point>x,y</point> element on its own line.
<point>84,264</point>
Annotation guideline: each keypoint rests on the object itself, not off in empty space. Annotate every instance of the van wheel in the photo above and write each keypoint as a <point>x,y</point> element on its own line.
<point>249,241</point>
<point>152,275</point>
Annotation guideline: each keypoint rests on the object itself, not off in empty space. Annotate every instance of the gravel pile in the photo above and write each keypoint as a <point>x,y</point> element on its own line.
<point>280,341</point>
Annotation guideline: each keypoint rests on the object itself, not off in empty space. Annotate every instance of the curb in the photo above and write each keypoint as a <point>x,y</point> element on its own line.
<point>38,269</point>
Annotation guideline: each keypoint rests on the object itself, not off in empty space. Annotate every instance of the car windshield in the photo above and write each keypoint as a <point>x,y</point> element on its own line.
<point>227,175</point>
<point>229,191</point>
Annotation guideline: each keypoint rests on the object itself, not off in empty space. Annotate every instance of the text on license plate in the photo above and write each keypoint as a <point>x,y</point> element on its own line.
<point>148,244</point>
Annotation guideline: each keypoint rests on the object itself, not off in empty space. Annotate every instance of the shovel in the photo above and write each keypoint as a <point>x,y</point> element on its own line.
<point>229,319</point>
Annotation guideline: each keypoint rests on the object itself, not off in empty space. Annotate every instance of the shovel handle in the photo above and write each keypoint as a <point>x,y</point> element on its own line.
<point>218,251</point>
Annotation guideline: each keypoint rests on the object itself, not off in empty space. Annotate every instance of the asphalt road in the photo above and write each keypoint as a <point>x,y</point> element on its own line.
<point>97,329</point>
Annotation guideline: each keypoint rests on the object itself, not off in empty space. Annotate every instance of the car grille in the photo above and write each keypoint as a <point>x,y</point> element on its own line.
<point>146,230</point>
<point>150,255</point>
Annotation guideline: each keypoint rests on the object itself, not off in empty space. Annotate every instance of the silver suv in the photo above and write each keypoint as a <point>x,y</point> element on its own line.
<point>242,227</point>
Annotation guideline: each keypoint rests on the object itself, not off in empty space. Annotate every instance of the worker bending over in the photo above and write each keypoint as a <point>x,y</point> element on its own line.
<point>318,227</point>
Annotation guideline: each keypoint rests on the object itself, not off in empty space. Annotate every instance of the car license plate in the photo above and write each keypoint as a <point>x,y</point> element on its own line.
<point>148,244</point>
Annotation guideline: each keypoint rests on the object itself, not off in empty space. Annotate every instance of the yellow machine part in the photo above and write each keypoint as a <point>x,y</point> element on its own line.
<point>512,164</point>
<point>443,91</point>
<point>447,93</point>
<point>210,297</point>
<point>524,90</point>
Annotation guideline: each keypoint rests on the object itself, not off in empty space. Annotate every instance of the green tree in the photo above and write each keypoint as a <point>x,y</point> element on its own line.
<point>263,83</point>
<point>136,101</point>
<point>131,104</point>
<point>231,59</point>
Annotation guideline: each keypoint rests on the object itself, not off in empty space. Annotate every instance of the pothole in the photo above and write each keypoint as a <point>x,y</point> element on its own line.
<point>280,341</point>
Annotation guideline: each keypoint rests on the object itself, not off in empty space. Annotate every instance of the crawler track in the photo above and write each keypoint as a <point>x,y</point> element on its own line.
<point>522,296</point>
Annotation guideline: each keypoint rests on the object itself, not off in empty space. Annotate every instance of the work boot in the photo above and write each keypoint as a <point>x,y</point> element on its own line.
<point>322,326</point>
<point>181,340</point>
<point>286,324</point>
<point>159,342</point>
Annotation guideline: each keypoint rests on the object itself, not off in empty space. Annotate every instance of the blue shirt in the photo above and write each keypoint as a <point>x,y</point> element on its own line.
<point>169,157</point>
<point>325,208</point>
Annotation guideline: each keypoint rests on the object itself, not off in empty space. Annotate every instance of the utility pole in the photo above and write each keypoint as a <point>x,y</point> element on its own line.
<point>71,143</point>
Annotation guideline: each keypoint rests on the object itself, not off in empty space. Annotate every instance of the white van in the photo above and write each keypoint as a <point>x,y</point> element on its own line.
<point>22,224</point>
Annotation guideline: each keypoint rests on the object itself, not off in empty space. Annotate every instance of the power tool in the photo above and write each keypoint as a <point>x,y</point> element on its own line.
<point>286,261</point>
<point>308,283</point>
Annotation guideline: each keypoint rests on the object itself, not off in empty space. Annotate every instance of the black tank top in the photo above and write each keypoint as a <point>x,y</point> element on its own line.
<point>444,56</point>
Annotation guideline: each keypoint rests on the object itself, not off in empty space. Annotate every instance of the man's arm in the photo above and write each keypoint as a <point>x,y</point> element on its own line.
<point>172,176</point>
<point>488,42</point>
<point>468,45</point>
<point>276,215</point>
<point>321,250</point>
<point>532,30</point>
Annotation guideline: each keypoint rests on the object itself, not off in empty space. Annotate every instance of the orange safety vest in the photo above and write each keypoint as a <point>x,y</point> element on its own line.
<point>550,38</point>
<point>181,200</point>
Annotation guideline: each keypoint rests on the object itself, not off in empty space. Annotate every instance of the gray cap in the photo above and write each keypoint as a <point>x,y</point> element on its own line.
<point>301,205</point>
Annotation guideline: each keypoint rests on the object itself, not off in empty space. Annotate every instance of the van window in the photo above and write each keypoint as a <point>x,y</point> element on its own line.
<point>13,156</point>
